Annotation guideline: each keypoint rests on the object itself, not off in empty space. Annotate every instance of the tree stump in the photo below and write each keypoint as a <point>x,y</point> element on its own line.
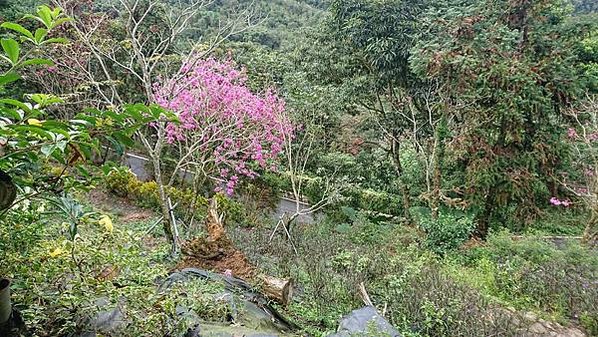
<point>217,252</point>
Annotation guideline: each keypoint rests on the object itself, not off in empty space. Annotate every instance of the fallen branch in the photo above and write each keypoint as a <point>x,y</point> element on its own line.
<point>364,295</point>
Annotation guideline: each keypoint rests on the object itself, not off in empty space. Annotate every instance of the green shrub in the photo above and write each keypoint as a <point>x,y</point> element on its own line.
<point>365,231</point>
<point>534,274</point>
<point>380,202</point>
<point>122,182</point>
<point>56,294</point>
<point>448,232</point>
<point>589,321</point>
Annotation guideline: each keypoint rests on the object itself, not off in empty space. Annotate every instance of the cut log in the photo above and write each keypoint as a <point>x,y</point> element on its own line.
<point>217,253</point>
<point>279,290</point>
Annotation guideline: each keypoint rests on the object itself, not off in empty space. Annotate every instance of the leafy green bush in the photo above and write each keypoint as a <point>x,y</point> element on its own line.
<point>20,230</point>
<point>448,232</point>
<point>119,181</point>
<point>122,182</point>
<point>56,294</point>
<point>534,274</point>
<point>379,201</point>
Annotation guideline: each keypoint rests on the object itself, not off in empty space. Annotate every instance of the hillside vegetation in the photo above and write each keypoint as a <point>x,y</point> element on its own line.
<point>298,168</point>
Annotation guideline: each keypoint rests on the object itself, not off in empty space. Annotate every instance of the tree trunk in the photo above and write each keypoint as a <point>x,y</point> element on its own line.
<point>483,220</point>
<point>403,188</point>
<point>590,233</point>
<point>167,225</point>
<point>440,146</point>
<point>435,197</point>
<point>279,290</point>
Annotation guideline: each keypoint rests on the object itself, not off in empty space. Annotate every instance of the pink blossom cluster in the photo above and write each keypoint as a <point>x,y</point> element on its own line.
<point>581,190</point>
<point>557,202</point>
<point>234,128</point>
<point>572,134</point>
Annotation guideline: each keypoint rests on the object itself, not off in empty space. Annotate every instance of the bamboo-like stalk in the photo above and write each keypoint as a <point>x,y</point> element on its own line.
<point>5,305</point>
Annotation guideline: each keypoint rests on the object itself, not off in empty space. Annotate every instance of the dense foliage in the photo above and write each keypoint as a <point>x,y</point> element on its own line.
<point>435,159</point>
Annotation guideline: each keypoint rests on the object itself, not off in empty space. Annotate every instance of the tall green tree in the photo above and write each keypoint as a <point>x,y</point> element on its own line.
<point>378,36</point>
<point>507,69</point>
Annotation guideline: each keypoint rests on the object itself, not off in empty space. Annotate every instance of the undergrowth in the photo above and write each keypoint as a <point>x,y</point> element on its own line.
<point>58,288</point>
<point>475,291</point>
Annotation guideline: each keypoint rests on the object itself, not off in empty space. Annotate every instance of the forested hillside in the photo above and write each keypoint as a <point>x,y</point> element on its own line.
<point>279,20</point>
<point>288,168</point>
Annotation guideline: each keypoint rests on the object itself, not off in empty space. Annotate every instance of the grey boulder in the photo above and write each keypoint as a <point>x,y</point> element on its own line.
<point>365,322</point>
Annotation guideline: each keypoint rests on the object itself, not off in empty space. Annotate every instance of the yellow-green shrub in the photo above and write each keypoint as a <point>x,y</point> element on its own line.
<point>124,183</point>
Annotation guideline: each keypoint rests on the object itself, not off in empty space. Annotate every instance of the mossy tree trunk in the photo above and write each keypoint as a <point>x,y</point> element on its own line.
<point>590,233</point>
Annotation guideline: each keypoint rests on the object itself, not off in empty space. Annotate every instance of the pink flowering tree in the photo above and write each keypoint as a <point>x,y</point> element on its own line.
<point>583,137</point>
<point>225,131</point>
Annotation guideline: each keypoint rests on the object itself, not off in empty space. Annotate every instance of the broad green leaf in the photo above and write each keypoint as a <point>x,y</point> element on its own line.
<point>53,125</point>
<point>115,116</point>
<point>134,114</point>
<point>33,17</point>
<point>60,21</point>
<point>56,12</point>
<point>16,103</point>
<point>84,119</point>
<point>9,78</point>
<point>84,172</point>
<point>85,149</point>
<point>14,114</point>
<point>57,127</point>
<point>124,139</point>
<point>45,14</point>
<point>33,129</point>
<point>40,34</point>
<point>17,28</point>
<point>118,148</point>
<point>37,62</point>
<point>45,100</point>
<point>59,157</point>
<point>47,150</point>
<point>12,50</point>
<point>156,111</point>
<point>61,145</point>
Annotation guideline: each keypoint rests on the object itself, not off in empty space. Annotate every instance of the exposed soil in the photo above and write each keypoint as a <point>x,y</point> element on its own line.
<point>216,252</point>
<point>123,207</point>
<point>219,256</point>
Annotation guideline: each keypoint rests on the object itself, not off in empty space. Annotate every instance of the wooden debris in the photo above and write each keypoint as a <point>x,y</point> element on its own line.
<point>279,290</point>
<point>216,252</point>
<point>364,295</point>
<point>214,222</point>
